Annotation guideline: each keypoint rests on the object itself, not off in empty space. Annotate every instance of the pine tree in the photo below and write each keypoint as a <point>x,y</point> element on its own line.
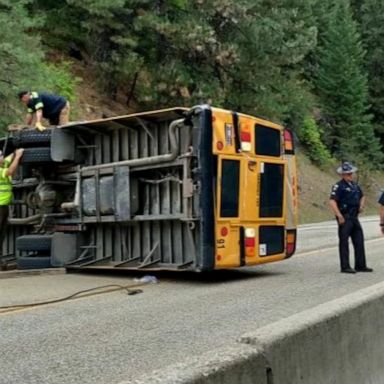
<point>372,21</point>
<point>273,45</point>
<point>106,33</point>
<point>343,89</point>
<point>20,56</point>
<point>244,55</point>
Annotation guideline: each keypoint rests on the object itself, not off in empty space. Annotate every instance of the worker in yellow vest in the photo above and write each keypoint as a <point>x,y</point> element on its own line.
<point>8,166</point>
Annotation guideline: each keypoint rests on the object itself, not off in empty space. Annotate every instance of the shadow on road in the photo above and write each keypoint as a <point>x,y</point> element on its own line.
<point>212,277</point>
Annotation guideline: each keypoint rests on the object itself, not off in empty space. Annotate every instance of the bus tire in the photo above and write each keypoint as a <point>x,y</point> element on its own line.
<point>34,243</point>
<point>33,262</point>
<point>29,138</point>
<point>36,155</point>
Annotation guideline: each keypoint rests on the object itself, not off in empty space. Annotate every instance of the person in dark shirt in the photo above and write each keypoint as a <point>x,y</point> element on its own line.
<point>347,201</point>
<point>381,202</point>
<point>55,108</point>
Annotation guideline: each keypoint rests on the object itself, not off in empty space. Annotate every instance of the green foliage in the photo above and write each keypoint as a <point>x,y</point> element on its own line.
<point>244,55</point>
<point>310,135</point>
<point>266,79</point>
<point>106,28</point>
<point>372,21</point>
<point>60,80</point>
<point>22,62</point>
<point>342,86</point>
<point>20,56</point>
<point>291,61</point>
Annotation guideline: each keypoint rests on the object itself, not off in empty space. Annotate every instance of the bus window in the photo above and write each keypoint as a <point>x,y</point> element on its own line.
<point>271,240</point>
<point>230,180</point>
<point>271,190</point>
<point>268,141</point>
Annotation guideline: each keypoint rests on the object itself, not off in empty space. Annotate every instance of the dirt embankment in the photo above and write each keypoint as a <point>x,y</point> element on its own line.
<point>315,186</point>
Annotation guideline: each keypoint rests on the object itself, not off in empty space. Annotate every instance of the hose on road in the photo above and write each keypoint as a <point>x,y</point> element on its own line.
<point>130,289</point>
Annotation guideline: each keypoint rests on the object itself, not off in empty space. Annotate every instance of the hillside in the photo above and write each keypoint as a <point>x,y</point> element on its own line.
<point>315,65</point>
<point>91,103</point>
<point>314,183</point>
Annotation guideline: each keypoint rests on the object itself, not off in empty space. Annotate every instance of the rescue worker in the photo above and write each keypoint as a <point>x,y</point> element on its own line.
<point>381,202</point>
<point>55,108</point>
<point>8,167</point>
<point>347,201</point>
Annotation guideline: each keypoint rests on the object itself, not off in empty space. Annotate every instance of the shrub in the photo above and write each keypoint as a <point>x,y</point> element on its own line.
<point>60,80</point>
<point>310,136</point>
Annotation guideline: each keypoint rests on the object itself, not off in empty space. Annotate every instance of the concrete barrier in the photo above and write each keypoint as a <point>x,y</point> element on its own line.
<point>339,342</point>
<point>238,364</point>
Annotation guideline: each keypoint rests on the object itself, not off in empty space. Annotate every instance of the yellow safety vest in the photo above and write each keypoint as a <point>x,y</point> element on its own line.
<point>5,183</point>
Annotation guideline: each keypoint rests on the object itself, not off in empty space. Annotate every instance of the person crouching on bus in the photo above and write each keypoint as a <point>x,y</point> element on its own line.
<point>347,201</point>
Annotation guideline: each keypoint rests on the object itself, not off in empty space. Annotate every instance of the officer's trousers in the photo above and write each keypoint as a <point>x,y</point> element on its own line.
<point>351,229</point>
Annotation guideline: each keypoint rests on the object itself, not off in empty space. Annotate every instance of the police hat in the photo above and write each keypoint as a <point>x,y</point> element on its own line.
<point>346,167</point>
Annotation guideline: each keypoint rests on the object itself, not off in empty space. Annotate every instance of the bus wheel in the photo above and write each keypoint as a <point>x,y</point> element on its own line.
<point>33,262</point>
<point>29,138</point>
<point>34,243</point>
<point>36,155</point>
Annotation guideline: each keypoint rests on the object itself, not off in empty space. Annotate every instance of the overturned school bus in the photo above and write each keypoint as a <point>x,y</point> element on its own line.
<point>182,189</point>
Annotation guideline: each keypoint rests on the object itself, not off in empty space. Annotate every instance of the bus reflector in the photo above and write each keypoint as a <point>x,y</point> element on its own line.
<point>219,145</point>
<point>246,136</point>
<point>249,232</point>
<point>288,142</point>
<point>245,141</point>
<point>290,238</point>
<point>249,242</point>
<point>224,231</point>
<point>291,242</point>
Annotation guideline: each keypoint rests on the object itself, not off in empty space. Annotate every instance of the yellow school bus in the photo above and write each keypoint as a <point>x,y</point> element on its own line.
<point>197,189</point>
<point>255,210</point>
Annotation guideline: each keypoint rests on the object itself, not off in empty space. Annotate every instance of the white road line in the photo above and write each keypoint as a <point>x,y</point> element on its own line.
<point>322,250</point>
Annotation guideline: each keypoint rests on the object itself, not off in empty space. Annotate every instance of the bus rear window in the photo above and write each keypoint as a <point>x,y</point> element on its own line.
<point>230,180</point>
<point>271,190</point>
<point>271,240</point>
<point>268,141</point>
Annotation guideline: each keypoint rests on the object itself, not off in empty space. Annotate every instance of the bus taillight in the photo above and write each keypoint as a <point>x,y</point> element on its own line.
<point>249,242</point>
<point>246,141</point>
<point>288,142</point>
<point>291,242</point>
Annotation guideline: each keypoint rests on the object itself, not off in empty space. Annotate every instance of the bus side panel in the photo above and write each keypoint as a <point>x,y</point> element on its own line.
<point>207,182</point>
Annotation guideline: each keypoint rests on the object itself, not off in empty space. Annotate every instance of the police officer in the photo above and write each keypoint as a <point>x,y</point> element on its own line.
<point>381,202</point>
<point>346,202</point>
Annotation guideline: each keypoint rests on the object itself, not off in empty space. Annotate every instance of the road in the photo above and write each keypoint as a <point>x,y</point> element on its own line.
<point>114,337</point>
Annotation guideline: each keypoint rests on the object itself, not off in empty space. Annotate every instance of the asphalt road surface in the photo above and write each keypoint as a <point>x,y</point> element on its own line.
<point>113,337</point>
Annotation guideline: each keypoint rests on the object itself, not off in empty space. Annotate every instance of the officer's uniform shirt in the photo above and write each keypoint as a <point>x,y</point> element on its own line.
<point>348,196</point>
<point>51,105</point>
<point>381,200</point>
